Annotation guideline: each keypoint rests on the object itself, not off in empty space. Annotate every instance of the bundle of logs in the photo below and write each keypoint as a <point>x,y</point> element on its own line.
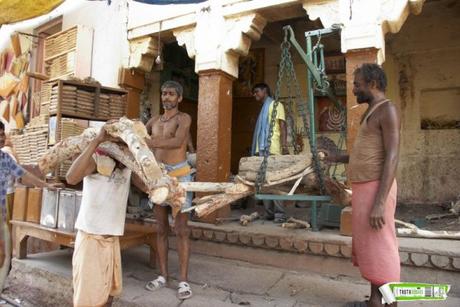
<point>287,174</point>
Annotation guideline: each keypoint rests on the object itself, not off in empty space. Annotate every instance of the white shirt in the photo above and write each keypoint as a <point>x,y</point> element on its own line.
<point>104,201</point>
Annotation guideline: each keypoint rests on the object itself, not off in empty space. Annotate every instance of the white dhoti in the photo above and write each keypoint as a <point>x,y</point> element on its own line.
<point>96,267</point>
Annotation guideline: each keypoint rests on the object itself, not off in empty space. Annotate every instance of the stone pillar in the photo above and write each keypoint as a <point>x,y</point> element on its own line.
<point>354,58</point>
<point>214,130</point>
<point>216,43</point>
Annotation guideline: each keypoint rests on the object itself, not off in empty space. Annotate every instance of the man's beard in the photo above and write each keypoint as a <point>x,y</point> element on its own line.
<point>169,105</point>
<point>363,98</point>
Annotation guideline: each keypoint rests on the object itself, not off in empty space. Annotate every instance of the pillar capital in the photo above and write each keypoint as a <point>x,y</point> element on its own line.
<point>216,42</point>
<point>143,52</point>
<point>364,22</point>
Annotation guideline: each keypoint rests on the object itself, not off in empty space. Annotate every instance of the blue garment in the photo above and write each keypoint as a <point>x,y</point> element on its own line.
<point>8,169</point>
<point>260,137</point>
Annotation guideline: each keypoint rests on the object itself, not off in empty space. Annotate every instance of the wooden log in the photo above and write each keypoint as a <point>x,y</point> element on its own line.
<point>305,224</point>
<point>278,167</point>
<point>412,230</point>
<point>302,173</point>
<point>339,192</point>
<point>133,133</point>
<point>290,225</point>
<point>65,150</point>
<point>208,186</point>
<point>246,219</point>
<point>211,203</point>
<point>439,216</point>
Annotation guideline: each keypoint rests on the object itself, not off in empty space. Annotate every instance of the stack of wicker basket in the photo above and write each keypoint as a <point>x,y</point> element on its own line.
<point>31,144</point>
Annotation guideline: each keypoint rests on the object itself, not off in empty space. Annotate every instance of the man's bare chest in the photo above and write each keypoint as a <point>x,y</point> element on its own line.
<point>164,129</point>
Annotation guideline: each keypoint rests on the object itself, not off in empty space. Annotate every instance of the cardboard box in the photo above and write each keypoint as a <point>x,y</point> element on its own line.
<point>34,205</point>
<point>345,221</point>
<point>20,203</point>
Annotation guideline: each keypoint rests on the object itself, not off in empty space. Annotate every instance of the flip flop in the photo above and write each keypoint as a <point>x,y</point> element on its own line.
<point>156,284</point>
<point>184,291</point>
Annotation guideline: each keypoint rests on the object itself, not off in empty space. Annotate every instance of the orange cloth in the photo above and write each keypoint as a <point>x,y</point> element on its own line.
<point>96,269</point>
<point>375,252</point>
<point>180,172</point>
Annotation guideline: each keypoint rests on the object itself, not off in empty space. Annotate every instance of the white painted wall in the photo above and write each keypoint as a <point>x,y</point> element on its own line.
<point>110,44</point>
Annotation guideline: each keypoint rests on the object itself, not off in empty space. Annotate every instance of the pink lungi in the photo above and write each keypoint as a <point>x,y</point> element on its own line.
<point>375,252</point>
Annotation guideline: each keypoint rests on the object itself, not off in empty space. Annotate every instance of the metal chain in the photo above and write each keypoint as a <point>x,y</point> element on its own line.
<point>316,164</point>
<point>287,70</point>
<point>261,174</point>
<point>292,125</point>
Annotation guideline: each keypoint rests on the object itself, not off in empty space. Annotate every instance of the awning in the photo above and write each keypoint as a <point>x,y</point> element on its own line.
<point>12,11</point>
<point>170,1</point>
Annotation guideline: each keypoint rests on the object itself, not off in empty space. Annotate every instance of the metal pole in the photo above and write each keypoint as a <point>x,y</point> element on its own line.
<point>311,95</point>
<point>311,110</point>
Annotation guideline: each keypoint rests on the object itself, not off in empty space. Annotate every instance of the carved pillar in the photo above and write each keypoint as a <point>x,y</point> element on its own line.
<point>216,44</point>
<point>143,52</point>
<point>214,130</point>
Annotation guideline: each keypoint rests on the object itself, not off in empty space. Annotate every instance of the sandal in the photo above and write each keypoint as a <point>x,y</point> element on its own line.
<point>184,291</point>
<point>156,284</point>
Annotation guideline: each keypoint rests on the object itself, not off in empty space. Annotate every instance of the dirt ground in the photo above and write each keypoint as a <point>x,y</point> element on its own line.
<point>416,214</point>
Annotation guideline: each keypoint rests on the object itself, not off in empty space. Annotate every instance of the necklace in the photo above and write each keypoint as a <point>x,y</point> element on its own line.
<point>164,120</point>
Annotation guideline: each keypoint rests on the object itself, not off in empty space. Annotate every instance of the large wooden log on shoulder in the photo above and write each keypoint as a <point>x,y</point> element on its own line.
<point>133,133</point>
<point>65,150</point>
<point>161,188</point>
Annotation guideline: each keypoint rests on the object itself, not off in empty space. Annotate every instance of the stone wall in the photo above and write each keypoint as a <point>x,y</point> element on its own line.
<point>422,65</point>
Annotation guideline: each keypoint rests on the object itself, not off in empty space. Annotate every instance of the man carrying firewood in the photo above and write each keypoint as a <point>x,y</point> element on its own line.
<point>372,170</point>
<point>96,262</point>
<point>274,209</point>
<point>169,139</point>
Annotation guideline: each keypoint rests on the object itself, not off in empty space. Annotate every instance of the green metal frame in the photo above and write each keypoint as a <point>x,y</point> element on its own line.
<point>315,74</point>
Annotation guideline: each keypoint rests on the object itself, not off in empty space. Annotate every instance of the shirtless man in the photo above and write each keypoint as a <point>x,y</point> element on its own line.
<point>372,170</point>
<point>169,138</point>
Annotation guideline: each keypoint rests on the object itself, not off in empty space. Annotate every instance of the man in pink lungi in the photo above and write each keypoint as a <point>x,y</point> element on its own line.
<point>371,171</point>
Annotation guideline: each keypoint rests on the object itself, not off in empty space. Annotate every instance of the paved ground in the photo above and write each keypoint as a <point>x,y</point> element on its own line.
<point>215,282</point>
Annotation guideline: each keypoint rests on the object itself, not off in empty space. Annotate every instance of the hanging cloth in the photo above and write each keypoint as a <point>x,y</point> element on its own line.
<point>261,132</point>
